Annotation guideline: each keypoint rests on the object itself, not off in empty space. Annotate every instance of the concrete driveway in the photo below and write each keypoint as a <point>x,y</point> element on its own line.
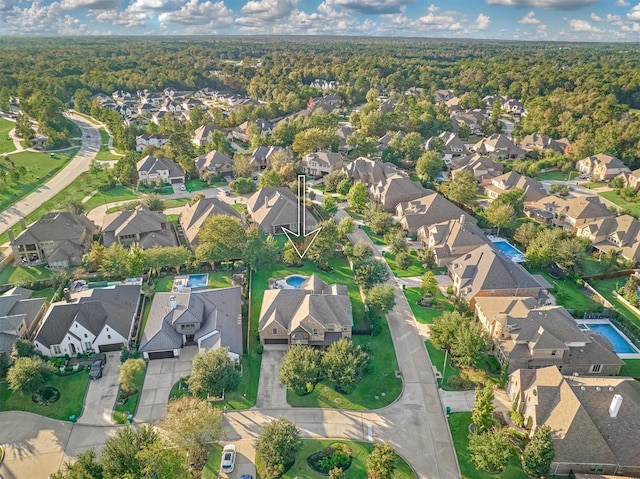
<point>101,394</point>
<point>161,375</point>
<point>245,460</point>
<point>271,394</point>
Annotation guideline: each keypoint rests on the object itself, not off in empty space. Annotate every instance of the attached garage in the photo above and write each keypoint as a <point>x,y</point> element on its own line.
<point>276,341</point>
<point>105,348</point>
<point>161,355</point>
<point>175,181</point>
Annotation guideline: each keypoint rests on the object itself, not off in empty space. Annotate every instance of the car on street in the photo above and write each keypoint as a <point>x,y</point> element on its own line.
<point>228,458</point>
<point>96,369</point>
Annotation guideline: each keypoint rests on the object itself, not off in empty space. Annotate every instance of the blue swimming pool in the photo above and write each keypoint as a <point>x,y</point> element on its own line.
<point>197,280</point>
<point>509,250</point>
<point>295,281</point>
<point>621,345</point>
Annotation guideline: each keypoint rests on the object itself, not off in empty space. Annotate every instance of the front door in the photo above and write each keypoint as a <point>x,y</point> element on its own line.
<point>72,347</point>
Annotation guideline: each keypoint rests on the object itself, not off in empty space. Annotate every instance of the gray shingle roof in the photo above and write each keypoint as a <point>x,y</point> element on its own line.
<point>153,165</point>
<point>193,216</point>
<point>56,227</point>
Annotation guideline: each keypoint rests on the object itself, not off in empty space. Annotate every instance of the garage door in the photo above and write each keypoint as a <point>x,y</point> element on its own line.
<point>276,341</point>
<point>110,347</point>
<point>175,181</point>
<point>161,355</point>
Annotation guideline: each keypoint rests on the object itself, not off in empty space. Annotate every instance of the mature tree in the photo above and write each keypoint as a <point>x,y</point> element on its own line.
<point>159,461</point>
<point>180,146</point>
<point>464,131</point>
<point>330,205</point>
<point>396,240</point>
<point>538,454</point>
<point>136,261</point>
<point>86,466</point>
<point>213,372</point>
<point>333,179</point>
<point>28,374</point>
<point>220,143</point>
<point>542,249</point>
<point>570,252</point>
<point>222,238</point>
<point>403,260</point>
<point>381,298</point>
<point>358,197</point>
<point>444,328</point>
<point>120,453</point>
<point>429,165</point>
<point>343,187</point>
<point>259,249</point>
<point>362,251</point>
<point>153,201</point>
<point>115,261</point>
<point>277,445</point>
<point>490,451</point>
<point>323,247</point>
<point>345,227</point>
<point>370,271</point>
<point>429,284</point>
<point>5,96</point>
<point>193,425</point>
<point>23,348</point>
<point>462,189</point>
<point>242,186</point>
<point>381,462</point>
<point>269,178</point>
<point>315,139</point>
<point>300,369</point>
<point>500,215</point>
<point>525,233</point>
<point>242,165</point>
<point>362,145</point>
<point>427,257</point>
<point>482,412</point>
<point>379,220</point>
<point>514,197</point>
<point>470,101</point>
<point>95,168</point>
<point>344,364</point>
<point>290,255</point>
<point>128,371</point>
<point>469,343</point>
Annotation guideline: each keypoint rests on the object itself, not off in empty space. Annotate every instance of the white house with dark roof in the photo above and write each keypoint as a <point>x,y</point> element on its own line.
<point>453,146</point>
<point>97,320</point>
<point>207,318</point>
<point>158,140</point>
<point>151,169</point>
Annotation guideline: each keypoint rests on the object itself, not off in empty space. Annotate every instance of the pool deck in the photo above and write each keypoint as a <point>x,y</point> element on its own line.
<point>624,336</point>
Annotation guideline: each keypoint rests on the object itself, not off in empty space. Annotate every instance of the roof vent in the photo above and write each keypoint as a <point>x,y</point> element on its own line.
<point>172,302</point>
<point>598,388</point>
<point>576,374</point>
<point>610,388</point>
<point>582,388</point>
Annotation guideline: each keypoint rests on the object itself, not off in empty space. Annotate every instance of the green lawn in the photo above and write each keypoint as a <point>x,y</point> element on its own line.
<point>425,315</point>
<point>72,389</point>
<point>104,154</point>
<point>104,136</point>
<point>415,269</point>
<point>358,470</point>
<point>176,202</point>
<point>219,279</point>
<point>614,197</point>
<point>173,218</point>
<point>552,175</point>
<point>239,207</point>
<point>594,184</point>
<point>164,284</point>
<point>212,467</point>
<point>6,143</point>
<point>569,294</point>
<point>197,184</point>
<point>590,266</point>
<point>117,193</point>
<point>120,412</point>
<point>40,167</point>
<point>22,275</point>
<point>46,293</point>
<point>631,368</point>
<point>377,239</point>
<point>459,424</point>
<point>437,359</point>
<point>605,287</point>
<point>145,316</point>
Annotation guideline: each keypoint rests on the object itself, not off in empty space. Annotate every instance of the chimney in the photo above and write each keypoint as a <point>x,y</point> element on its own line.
<point>616,402</point>
<point>266,201</point>
<point>462,219</point>
<point>23,224</point>
<point>172,302</point>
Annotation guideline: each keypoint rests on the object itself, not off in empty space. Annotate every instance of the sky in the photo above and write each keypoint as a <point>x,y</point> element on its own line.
<point>561,20</point>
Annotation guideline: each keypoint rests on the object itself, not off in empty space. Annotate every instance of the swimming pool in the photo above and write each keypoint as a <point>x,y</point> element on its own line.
<point>295,281</point>
<point>197,280</point>
<point>509,250</point>
<point>621,344</point>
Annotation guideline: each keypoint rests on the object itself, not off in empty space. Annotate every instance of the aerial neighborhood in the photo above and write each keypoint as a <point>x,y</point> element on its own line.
<point>231,256</point>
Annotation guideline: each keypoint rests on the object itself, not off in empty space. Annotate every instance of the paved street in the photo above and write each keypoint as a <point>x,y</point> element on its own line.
<point>101,395</point>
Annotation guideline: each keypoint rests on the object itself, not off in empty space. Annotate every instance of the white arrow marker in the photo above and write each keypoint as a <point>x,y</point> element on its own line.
<point>302,221</point>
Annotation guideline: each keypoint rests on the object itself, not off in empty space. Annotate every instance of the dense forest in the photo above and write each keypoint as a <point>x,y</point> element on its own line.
<point>589,93</point>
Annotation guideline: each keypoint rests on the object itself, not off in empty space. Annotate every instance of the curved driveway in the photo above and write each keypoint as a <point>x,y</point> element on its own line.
<point>80,163</point>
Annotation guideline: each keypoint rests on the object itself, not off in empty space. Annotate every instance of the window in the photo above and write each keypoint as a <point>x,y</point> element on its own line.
<point>56,349</point>
<point>554,352</point>
<point>597,468</point>
<point>274,331</point>
<point>108,336</point>
<point>88,345</point>
<point>85,335</point>
<point>315,332</point>
<point>596,368</point>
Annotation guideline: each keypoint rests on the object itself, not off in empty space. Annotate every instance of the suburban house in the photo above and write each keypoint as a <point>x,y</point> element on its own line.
<point>142,226</point>
<point>58,239</point>
<point>453,146</point>
<point>321,163</point>
<point>202,135</point>
<point>317,314</point>
<point>594,421</point>
<point>568,213</point>
<point>151,169</point>
<point>369,171</point>
<point>276,208</point>
<point>384,141</point>
<point>261,156</point>
<point>499,147</point>
<point>19,316</point>
<point>327,102</point>
<point>472,118</point>
<point>395,189</point>
<point>193,215</point>
<point>92,320</point>
<point>602,166</point>
<point>618,233</point>
<point>484,169</point>
<point>343,132</point>
<point>529,336</point>
<point>631,179</point>
<point>543,143</point>
<point>440,96</point>
<point>208,318</point>
<point>142,141</point>
<point>242,132</point>
<point>213,163</point>
<point>486,272</point>
<point>431,208</point>
<point>533,189</point>
<point>451,239</point>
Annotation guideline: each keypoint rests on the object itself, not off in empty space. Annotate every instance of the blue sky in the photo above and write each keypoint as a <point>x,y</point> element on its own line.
<point>574,20</point>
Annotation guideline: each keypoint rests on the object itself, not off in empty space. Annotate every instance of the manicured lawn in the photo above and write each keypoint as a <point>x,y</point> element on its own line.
<point>197,184</point>
<point>239,207</point>
<point>590,266</point>
<point>594,184</point>
<point>569,294</point>
<point>212,467</point>
<point>437,359</point>
<point>606,286</point>
<point>120,412</point>
<point>6,143</point>
<point>117,193</point>
<point>46,293</point>
<point>164,284</point>
<point>415,269</point>
<point>40,167</point>
<point>22,275</point>
<point>377,239</point>
<point>552,175</point>
<point>104,154</point>
<point>425,315</point>
<point>145,316</point>
<point>614,197</point>
<point>354,214</point>
<point>358,470</point>
<point>176,202</point>
<point>631,368</point>
<point>72,389</point>
<point>104,136</point>
<point>219,279</point>
<point>173,218</point>
<point>459,424</point>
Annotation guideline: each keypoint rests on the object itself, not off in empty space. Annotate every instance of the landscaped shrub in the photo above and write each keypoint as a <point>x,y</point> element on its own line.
<point>335,455</point>
<point>517,418</point>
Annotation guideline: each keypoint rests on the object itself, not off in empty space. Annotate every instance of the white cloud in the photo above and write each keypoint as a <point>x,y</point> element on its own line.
<point>483,21</point>
<point>622,3</point>
<point>152,6</point>
<point>583,26</point>
<point>205,14</point>
<point>530,19</point>
<point>634,13</point>
<point>125,18</point>
<point>39,19</point>
<point>552,4</point>
<point>260,12</point>
<point>374,7</point>
<point>437,20</point>
<point>90,4</point>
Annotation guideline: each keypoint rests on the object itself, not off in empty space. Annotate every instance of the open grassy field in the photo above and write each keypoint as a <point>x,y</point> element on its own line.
<point>614,197</point>
<point>23,275</point>
<point>40,167</point>
<point>6,143</point>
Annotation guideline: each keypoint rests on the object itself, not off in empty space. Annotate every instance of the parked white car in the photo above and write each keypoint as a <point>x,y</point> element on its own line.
<point>228,458</point>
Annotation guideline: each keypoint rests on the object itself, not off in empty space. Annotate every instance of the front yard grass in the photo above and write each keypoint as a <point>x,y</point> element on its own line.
<point>614,197</point>
<point>358,469</point>
<point>6,143</point>
<point>19,275</point>
<point>175,202</point>
<point>377,239</point>
<point>121,411</point>
<point>72,390</point>
<point>212,467</point>
<point>117,193</point>
<point>555,175</point>
<point>415,269</point>
<point>459,425</point>
<point>425,315</point>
